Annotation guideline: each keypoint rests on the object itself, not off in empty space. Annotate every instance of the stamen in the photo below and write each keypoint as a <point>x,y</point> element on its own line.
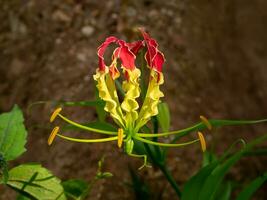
<point>165,144</point>
<point>86,127</point>
<point>202,141</point>
<point>205,122</point>
<point>55,114</point>
<point>120,137</point>
<point>88,140</point>
<point>53,135</point>
<point>182,132</point>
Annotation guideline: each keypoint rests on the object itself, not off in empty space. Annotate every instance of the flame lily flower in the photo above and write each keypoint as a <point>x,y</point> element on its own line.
<point>127,114</point>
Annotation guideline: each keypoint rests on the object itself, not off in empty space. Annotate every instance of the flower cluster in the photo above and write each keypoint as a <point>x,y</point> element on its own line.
<point>127,113</point>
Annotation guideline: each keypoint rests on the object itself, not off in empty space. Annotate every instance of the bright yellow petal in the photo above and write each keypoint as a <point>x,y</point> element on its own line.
<point>132,91</point>
<point>107,92</point>
<point>152,99</point>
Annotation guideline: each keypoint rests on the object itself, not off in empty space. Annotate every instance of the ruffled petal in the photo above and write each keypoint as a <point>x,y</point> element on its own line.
<point>101,51</point>
<point>108,93</point>
<point>132,92</point>
<point>135,46</point>
<point>153,56</point>
<point>126,56</point>
<point>152,99</point>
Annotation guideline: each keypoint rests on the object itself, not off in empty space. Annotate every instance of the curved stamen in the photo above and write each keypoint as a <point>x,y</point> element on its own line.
<point>185,130</point>
<point>55,114</point>
<point>120,137</point>
<point>205,121</point>
<point>200,126</point>
<point>53,135</point>
<point>202,141</point>
<point>86,127</point>
<point>164,144</point>
<point>88,140</point>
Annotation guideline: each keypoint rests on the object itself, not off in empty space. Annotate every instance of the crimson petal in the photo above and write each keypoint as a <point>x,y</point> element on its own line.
<point>101,51</point>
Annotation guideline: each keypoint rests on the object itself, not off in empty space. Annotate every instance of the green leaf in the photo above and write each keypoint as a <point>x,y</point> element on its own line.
<point>193,187</point>
<point>205,184</point>
<point>208,157</point>
<point>164,116</point>
<point>100,174</point>
<point>21,197</point>
<point>36,182</point>
<point>224,193</point>
<point>76,189</point>
<point>257,152</point>
<point>103,175</point>
<point>249,190</point>
<point>101,113</point>
<point>3,169</point>
<point>12,134</point>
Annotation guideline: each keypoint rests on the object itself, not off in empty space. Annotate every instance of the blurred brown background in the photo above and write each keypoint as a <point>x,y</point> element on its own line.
<point>216,66</point>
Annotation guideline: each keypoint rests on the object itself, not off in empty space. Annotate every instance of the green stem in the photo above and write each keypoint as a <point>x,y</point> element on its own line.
<point>164,170</point>
<point>170,179</point>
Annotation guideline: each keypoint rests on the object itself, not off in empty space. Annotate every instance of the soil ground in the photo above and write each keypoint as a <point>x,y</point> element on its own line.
<point>216,66</point>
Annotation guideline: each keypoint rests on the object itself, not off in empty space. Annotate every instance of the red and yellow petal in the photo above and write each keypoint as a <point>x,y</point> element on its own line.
<point>153,56</point>
<point>101,51</point>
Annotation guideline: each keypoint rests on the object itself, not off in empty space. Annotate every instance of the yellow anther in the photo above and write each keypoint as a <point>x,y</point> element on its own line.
<point>202,141</point>
<point>55,114</point>
<point>53,135</point>
<point>120,137</point>
<point>205,122</point>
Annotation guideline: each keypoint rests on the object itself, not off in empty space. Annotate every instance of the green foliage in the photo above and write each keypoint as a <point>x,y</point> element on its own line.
<point>101,113</point>
<point>21,197</point>
<point>164,117</point>
<point>12,134</point>
<point>34,181</point>
<point>249,190</point>
<point>224,192</point>
<point>208,157</point>
<point>208,180</point>
<point>3,169</point>
<point>100,174</point>
<point>76,189</point>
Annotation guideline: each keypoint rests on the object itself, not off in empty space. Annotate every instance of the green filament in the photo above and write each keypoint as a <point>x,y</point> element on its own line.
<point>86,127</point>
<point>88,140</point>
<point>164,144</point>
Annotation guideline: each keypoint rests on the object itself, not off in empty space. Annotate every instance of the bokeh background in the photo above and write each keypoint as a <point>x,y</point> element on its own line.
<point>216,56</point>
